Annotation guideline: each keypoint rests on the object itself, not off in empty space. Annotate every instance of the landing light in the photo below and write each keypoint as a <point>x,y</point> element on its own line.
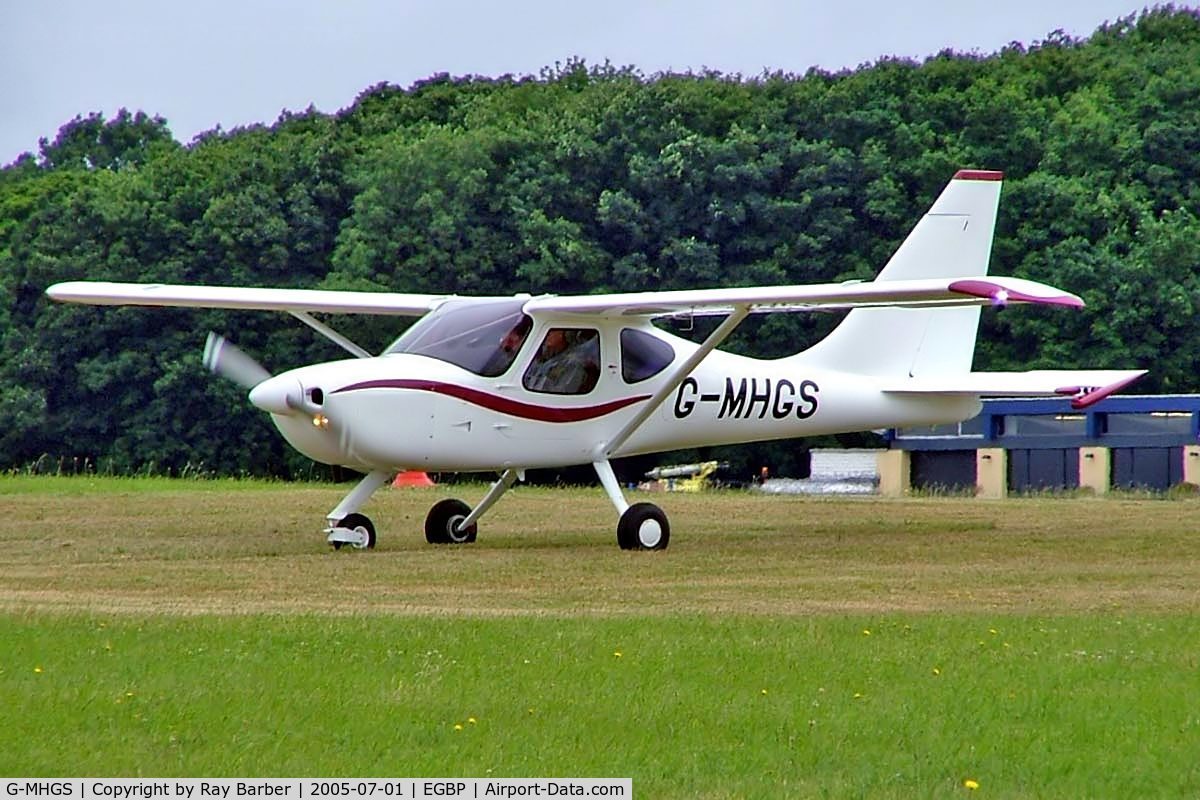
<point>320,421</point>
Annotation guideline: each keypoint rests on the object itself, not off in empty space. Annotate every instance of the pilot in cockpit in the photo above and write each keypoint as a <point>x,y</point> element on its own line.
<point>568,362</point>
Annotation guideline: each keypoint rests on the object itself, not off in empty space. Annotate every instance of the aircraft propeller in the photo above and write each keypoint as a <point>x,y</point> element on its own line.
<point>280,394</point>
<point>224,358</point>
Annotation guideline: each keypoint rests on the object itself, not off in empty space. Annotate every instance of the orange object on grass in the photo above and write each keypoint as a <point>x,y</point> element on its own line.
<point>412,478</point>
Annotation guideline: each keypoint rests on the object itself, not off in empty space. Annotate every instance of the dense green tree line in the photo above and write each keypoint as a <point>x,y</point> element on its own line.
<point>587,179</point>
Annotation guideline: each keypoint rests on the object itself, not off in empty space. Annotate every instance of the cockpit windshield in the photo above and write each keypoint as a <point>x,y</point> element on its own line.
<point>482,337</point>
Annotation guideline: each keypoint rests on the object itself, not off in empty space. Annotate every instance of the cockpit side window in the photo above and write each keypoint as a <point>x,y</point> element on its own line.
<point>567,362</point>
<point>483,338</point>
<point>510,345</point>
<point>643,356</point>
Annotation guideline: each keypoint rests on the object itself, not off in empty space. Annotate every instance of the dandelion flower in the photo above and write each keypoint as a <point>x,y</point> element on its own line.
<point>866,631</point>
<point>971,784</point>
<point>764,691</point>
<point>471,720</point>
<point>617,653</point>
<point>37,670</point>
<point>937,671</point>
<point>458,726</point>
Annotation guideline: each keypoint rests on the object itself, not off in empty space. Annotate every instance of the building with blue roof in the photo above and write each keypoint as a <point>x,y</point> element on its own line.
<point>1023,445</point>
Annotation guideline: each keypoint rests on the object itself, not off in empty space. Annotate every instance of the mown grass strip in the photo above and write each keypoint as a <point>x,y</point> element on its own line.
<point>245,547</point>
<point>893,706</point>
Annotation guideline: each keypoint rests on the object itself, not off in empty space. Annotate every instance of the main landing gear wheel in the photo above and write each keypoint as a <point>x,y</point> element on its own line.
<point>643,526</point>
<point>361,526</point>
<point>441,525</point>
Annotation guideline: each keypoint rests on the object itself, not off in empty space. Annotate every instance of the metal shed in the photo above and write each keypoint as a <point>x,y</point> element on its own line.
<point>1136,441</point>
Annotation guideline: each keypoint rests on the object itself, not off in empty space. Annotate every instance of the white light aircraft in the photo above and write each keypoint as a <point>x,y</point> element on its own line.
<point>505,384</point>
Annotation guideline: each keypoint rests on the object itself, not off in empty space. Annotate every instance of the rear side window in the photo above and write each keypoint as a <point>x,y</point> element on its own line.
<point>643,356</point>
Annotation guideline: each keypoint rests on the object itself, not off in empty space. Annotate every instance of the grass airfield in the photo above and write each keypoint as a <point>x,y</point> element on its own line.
<point>781,647</point>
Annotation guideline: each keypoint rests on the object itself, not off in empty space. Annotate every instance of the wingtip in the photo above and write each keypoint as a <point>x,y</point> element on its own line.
<point>76,291</point>
<point>1003,295</point>
<point>58,291</point>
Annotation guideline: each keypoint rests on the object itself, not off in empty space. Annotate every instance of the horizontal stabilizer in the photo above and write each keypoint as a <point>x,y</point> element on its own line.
<point>1084,387</point>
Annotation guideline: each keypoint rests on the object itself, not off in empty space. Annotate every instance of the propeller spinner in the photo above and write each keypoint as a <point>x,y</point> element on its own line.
<point>280,394</point>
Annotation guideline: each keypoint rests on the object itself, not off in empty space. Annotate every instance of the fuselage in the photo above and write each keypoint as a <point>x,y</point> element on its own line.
<point>404,410</point>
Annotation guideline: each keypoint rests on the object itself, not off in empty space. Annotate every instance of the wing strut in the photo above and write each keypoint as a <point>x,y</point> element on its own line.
<point>329,333</point>
<point>606,449</point>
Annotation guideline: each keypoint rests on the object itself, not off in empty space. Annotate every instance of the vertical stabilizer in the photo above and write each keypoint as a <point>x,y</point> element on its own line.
<point>952,240</point>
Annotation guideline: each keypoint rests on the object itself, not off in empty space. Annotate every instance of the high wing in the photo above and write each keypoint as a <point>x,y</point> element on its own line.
<point>925,292</point>
<point>245,298</point>
<point>811,297</point>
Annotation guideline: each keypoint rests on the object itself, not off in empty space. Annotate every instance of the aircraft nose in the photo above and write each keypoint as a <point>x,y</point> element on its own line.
<point>279,395</point>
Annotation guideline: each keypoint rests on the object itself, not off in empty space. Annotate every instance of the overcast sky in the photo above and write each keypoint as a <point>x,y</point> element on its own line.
<point>205,63</point>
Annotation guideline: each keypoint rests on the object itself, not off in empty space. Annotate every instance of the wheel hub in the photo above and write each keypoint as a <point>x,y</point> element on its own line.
<point>452,529</point>
<point>650,533</point>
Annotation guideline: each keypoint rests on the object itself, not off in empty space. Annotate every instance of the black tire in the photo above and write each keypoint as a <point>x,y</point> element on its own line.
<point>442,519</point>
<point>355,522</point>
<point>643,526</point>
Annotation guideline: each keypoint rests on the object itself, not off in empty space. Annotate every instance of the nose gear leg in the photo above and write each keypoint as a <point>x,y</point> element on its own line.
<point>360,534</point>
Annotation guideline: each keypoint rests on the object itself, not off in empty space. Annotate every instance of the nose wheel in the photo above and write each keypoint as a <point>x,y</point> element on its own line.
<point>355,530</point>
<point>346,525</point>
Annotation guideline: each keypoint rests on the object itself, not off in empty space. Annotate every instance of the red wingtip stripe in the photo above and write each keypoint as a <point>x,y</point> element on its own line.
<point>1096,395</point>
<point>998,294</point>
<point>978,175</point>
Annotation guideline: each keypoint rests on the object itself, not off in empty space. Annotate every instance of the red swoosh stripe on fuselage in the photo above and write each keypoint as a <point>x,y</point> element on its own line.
<point>501,404</point>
